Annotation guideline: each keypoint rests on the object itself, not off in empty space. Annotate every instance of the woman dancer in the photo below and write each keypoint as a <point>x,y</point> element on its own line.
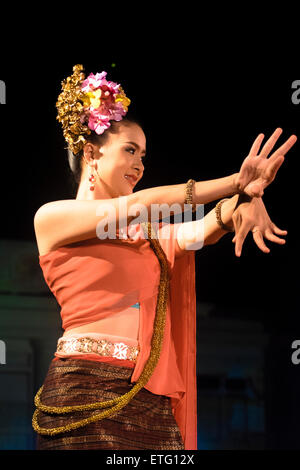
<point>124,373</point>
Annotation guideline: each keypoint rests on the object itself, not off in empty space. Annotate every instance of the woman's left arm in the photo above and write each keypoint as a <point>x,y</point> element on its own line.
<point>241,213</point>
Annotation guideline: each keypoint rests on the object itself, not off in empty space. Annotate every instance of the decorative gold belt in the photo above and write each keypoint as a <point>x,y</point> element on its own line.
<point>102,347</point>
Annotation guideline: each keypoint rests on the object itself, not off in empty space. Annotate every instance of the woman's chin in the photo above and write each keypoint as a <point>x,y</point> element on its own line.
<point>125,192</point>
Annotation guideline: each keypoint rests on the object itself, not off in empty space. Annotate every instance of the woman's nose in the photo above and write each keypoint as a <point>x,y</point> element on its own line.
<point>139,166</point>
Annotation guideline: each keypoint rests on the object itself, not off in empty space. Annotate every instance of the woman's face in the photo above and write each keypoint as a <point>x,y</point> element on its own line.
<point>121,157</point>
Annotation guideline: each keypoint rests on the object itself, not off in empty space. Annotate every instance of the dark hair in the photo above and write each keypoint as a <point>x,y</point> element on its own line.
<point>75,161</point>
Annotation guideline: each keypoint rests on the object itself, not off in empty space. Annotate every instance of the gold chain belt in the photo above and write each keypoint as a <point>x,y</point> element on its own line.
<point>102,347</point>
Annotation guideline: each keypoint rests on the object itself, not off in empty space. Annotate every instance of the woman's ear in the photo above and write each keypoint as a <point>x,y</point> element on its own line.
<point>88,152</point>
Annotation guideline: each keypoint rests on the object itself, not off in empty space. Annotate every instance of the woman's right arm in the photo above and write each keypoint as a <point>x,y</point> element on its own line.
<point>59,223</point>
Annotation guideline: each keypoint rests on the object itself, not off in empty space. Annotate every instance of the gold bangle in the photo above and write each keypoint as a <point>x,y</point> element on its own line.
<point>189,194</point>
<point>218,216</point>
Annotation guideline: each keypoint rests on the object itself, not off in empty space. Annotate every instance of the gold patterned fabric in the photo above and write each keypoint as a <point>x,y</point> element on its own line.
<point>147,422</point>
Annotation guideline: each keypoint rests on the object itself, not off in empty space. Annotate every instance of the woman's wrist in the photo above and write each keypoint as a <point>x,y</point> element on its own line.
<point>227,210</point>
<point>243,197</point>
<point>231,206</point>
<point>212,190</point>
<point>236,189</point>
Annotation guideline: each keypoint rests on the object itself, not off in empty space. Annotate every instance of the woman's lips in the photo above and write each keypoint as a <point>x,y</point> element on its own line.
<point>130,180</point>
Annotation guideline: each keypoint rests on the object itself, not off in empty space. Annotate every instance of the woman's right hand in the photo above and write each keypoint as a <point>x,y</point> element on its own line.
<point>258,171</point>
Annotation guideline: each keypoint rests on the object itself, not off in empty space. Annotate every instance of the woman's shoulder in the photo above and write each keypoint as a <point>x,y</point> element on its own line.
<point>52,205</point>
<point>53,211</point>
<point>47,220</point>
<point>59,223</point>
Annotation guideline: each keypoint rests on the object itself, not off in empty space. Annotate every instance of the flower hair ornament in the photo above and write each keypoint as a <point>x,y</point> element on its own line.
<point>88,104</point>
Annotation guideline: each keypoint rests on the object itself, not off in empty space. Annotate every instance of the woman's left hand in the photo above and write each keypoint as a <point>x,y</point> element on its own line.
<point>251,214</point>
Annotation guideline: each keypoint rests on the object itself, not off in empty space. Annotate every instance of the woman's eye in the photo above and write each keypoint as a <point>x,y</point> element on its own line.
<point>133,151</point>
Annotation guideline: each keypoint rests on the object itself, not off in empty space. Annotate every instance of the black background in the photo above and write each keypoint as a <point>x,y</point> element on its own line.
<point>200,117</point>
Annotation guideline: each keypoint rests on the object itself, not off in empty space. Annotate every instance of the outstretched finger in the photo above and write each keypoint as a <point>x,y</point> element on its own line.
<point>278,230</point>
<point>237,221</point>
<point>258,238</point>
<point>285,147</point>
<point>273,238</point>
<point>256,145</point>
<point>273,167</point>
<point>240,238</point>
<point>270,143</point>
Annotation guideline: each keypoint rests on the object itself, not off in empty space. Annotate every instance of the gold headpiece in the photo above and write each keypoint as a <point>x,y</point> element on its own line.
<point>69,106</point>
<point>88,104</point>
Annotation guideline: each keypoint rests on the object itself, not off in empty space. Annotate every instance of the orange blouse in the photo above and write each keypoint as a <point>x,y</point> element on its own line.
<point>94,278</point>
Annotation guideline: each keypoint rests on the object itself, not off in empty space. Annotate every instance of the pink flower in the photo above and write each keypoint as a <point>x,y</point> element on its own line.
<point>100,76</point>
<point>98,122</point>
<point>108,108</point>
<point>101,126</point>
<point>92,82</point>
<point>118,111</point>
<point>113,87</point>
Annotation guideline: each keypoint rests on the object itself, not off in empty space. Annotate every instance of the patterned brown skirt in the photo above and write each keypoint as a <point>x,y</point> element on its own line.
<point>146,422</point>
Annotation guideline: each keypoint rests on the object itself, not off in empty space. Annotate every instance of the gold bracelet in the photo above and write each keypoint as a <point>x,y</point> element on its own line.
<point>189,193</point>
<point>218,216</point>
